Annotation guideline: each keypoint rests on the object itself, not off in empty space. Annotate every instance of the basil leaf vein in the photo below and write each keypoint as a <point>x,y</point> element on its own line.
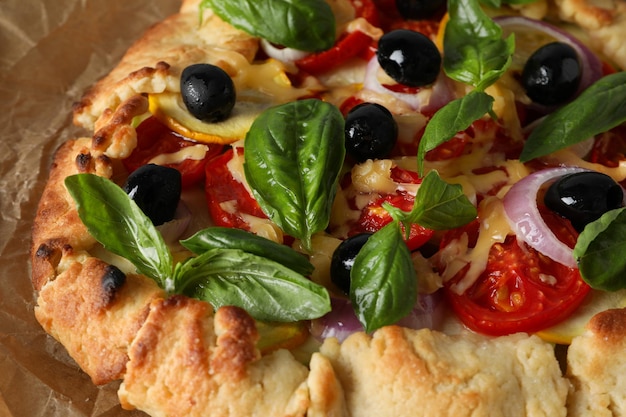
<point>383,284</point>
<point>293,154</point>
<point>116,221</point>
<point>229,238</point>
<point>601,107</point>
<point>474,51</point>
<point>267,290</point>
<point>600,251</point>
<point>308,25</point>
<point>452,118</point>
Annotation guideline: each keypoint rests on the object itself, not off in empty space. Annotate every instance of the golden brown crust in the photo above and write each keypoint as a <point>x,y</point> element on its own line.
<point>57,227</point>
<point>433,374</point>
<point>186,361</point>
<point>95,323</point>
<point>597,369</point>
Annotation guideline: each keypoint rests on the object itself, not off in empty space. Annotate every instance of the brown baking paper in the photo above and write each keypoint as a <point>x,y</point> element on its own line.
<point>50,52</point>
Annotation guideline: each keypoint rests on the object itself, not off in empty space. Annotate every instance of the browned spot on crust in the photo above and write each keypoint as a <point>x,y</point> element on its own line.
<point>95,323</point>
<point>609,325</point>
<point>83,162</point>
<point>115,127</point>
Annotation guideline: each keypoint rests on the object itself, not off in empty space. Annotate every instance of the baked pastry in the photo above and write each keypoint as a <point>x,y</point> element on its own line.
<point>456,316</point>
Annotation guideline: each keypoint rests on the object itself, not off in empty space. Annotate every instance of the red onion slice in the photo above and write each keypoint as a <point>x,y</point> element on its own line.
<point>282,54</point>
<point>425,100</point>
<point>341,321</point>
<point>591,64</point>
<point>520,206</point>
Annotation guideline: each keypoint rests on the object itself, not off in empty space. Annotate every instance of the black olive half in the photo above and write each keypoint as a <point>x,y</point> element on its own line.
<point>156,189</point>
<point>583,197</point>
<point>208,92</point>
<point>371,132</point>
<point>409,57</point>
<point>552,74</point>
<point>343,260</point>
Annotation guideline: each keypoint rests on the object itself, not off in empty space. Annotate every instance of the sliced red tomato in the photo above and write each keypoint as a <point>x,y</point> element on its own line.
<point>227,198</point>
<point>154,139</point>
<point>520,289</point>
<point>374,216</point>
<point>347,46</point>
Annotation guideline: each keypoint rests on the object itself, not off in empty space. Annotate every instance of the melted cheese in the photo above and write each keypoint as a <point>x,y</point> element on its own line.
<point>494,228</point>
<point>195,152</point>
<point>374,176</point>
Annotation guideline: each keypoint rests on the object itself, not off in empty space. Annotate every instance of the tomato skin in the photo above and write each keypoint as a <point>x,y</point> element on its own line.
<point>514,293</point>
<point>154,138</point>
<point>222,187</point>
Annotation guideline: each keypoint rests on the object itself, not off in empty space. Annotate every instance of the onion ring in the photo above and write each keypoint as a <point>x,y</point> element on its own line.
<point>286,55</point>
<point>520,207</point>
<point>590,63</point>
<point>425,100</point>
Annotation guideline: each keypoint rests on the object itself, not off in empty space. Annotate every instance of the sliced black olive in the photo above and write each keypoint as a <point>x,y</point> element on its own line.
<point>208,92</point>
<point>420,9</point>
<point>343,260</point>
<point>552,74</point>
<point>156,190</point>
<point>583,197</point>
<point>371,132</point>
<point>409,57</point>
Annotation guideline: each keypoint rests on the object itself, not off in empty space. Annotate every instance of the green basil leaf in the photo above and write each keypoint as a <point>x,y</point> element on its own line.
<point>383,284</point>
<point>496,4</point>
<point>599,108</point>
<point>267,290</point>
<point>116,221</point>
<point>452,118</point>
<point>229,238</point>
<point>600,252</point>
<point>293,155</point>
<point>473,49</point>
<point>308,25</point>
<point>439,205</point>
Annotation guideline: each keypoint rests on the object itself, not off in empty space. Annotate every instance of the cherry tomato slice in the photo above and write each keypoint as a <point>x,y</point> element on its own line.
<point>154,139</point>
<point>226,197</point>
<point>520,290</point>
<point>374,216</point>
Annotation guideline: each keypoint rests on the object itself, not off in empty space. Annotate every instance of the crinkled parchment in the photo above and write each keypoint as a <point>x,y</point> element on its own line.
<point>50,52</point>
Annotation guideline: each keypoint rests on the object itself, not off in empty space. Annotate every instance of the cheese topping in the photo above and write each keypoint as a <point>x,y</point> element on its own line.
<point>195,152</point>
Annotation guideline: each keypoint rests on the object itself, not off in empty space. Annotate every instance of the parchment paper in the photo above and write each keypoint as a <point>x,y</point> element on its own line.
<point>50,52</point>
